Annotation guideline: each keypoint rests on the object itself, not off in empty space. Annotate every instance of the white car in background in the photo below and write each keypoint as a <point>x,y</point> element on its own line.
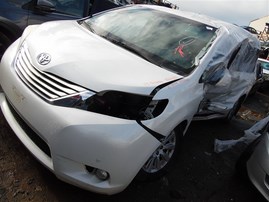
<point>104,99</point>
<point>265,69</point>
<point>253,164</point>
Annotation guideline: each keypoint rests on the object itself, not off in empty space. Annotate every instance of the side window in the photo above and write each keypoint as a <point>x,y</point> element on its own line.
<point>71,7</point>
<point>19,3</point>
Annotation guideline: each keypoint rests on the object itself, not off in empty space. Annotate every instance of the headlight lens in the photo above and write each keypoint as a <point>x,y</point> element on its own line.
<point>117,104</point>
<point>77,101</point>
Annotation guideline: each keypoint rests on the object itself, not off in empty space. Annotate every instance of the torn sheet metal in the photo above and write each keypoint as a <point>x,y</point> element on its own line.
<point>250,135</point>
<point>235,53</point>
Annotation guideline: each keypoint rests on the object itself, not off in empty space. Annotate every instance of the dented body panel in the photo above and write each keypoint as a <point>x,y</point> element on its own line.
<point>235,57</point>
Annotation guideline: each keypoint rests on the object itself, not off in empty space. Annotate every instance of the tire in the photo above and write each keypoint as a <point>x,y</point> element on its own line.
<point>4,44</point>
<point>162,159</point>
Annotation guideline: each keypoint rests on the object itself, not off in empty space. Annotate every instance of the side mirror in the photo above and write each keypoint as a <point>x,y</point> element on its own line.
<point>45,5</point>
<point>213,74</point>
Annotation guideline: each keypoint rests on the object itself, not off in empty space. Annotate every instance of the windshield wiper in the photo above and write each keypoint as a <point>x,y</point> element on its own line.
<point>87,26</point>
<point>127,47</point>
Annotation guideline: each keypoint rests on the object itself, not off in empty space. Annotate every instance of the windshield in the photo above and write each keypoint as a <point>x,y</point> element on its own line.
<point>167,40</point>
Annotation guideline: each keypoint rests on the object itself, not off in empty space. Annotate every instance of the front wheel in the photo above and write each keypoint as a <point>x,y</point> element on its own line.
<point>162,158</point>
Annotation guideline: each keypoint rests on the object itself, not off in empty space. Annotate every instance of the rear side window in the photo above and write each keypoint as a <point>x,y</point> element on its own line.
<point>244,58</point>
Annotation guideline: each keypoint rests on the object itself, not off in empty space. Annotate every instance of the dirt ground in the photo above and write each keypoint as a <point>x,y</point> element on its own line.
<point>199,175</point>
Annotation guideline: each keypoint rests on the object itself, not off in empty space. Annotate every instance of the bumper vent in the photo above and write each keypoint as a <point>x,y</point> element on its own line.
<point>30,133</point>
<point>44,84</point>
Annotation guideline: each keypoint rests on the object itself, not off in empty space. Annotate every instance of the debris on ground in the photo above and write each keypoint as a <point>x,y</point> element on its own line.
<point>249,136</point>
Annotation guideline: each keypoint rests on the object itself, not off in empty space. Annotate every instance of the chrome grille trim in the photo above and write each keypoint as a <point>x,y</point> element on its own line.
<point>44,84</point>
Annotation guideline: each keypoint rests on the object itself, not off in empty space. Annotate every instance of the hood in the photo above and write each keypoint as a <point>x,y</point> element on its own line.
<point>87,59</point>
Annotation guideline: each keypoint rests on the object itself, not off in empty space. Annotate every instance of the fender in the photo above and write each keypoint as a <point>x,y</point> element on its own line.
<point>11,30</point>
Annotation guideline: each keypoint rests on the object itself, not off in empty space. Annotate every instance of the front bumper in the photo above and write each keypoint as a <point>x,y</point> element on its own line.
<point>71,139</point>
<point>258,167</point>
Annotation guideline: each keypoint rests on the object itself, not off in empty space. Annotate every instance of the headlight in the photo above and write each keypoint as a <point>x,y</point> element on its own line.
<point>117,104</point>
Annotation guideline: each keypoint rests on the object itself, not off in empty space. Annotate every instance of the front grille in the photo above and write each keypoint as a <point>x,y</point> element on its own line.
<point>30,133</point>
<point>44,84</point>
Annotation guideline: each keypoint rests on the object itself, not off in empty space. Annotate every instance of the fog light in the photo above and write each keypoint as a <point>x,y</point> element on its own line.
<point>101,174</point>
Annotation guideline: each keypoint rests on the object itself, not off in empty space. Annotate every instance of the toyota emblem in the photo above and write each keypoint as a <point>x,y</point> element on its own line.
<point>43,58</point>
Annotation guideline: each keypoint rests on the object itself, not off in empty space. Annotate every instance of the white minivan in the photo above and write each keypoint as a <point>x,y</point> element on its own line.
<point>102,100</point>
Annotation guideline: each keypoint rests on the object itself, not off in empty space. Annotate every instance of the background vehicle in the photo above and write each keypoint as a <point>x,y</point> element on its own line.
<point>265,69</point>
<point>253,163</point>
<point>264,53</point>
<point>15,15</point>
<point>265,44</point>
<point>251,30</point>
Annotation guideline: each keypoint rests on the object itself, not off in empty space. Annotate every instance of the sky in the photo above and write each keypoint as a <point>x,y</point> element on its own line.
<point>240,12</point>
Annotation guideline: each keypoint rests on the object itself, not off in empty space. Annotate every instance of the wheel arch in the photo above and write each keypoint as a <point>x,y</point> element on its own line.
<point>181,127</point>
<point>233,111</point>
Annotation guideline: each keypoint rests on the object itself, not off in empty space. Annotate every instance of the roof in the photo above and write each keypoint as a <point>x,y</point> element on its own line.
<point>225,28</point>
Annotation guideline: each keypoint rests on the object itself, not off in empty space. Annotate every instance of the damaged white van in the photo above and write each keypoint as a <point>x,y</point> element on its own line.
<point>104,99</point>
